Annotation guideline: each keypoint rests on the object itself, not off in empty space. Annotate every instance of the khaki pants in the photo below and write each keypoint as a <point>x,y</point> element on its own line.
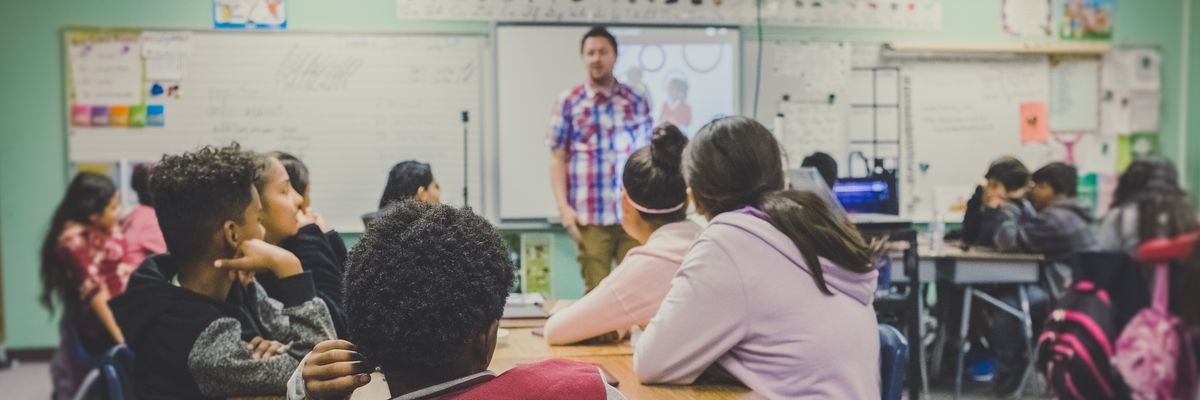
<point>598,247</point>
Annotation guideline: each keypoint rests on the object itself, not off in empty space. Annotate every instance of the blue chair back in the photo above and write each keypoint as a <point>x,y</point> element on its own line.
<point>111,379</point>
<point>893,362</point>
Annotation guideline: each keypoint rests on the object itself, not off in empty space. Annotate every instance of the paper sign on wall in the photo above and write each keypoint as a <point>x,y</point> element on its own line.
<point>250,14</point>
<point>106,72</point>
<point>1074,96</point>
<point>1034,126</point>
<point>1027,17</point>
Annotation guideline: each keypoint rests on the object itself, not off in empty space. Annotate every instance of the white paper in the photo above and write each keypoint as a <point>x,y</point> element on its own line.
<point>1095,153</point>
<point>813,127</point>
<point>1144,106</point>
<point>106,73</point>
<point>822,68</point>
<point>1075,96</point>
<point>164,68</point>
<point>156,44</point>
<point>1131,94</point>
<point>1027,17</point>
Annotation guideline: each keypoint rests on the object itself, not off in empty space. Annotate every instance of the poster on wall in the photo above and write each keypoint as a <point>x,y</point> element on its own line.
<point>874,14</point>
<point>1026,17</point>
<point>104,82</point>
<point>250,14</point>
<point>1087,20</point>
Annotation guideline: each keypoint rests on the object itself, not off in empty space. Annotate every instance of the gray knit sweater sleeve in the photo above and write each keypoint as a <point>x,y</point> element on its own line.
<point>222,366</point>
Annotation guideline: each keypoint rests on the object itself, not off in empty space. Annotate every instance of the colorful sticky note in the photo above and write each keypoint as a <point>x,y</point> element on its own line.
<point>118,116</point>
<point>81,115</point>
<point>1034,124</point>
<point>137,116</point>
<point>155,115</point>
<point>100,116</point>
<point>1135,146</point>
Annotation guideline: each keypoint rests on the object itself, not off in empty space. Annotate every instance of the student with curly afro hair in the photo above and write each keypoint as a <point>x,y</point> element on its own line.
<point>425,289</point>
<point>190,341</point>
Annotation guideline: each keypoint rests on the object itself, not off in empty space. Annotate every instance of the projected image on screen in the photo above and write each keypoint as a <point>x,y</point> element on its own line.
<point>688,75</point>
<point>687,79</point>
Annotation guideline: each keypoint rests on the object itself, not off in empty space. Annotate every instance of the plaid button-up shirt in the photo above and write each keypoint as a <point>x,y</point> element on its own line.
<point>599,131</point>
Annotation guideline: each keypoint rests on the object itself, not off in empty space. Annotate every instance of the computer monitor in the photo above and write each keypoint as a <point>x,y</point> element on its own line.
<point>808,179</point>
<point>873,195</point>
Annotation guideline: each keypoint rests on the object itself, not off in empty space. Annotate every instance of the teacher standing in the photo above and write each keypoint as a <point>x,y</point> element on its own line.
<point>595,126</point>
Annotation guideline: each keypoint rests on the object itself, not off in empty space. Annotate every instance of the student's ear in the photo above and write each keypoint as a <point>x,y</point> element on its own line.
<point>231,234</point>
<point>485,345</point>
<point>422,192</point>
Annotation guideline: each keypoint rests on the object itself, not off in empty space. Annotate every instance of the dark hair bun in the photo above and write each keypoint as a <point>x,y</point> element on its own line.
<point>666,147</point>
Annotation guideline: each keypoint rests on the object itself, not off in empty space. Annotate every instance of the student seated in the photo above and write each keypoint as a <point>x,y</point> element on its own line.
<point>1149,186</point>
<point>408,179</point>
<point>825,164</point>
<point>187,339</point>
<point>425,289</point>
<point>1007,175</point>
<point>1052,222</point>
<point>654,212</point>
<point>292,226</point>
<point>142,236</point>
<point>84,264</point>
<point>298,176</point>
<point>777,291</point>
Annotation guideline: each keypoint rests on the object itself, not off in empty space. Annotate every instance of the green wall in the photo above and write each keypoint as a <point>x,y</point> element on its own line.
<point>32,143</point>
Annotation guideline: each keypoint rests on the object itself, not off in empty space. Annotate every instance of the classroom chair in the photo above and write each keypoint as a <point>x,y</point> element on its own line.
<point>111,379</point>
<point>893,362</point>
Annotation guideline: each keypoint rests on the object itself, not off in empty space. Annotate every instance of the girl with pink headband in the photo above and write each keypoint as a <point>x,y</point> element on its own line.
<point>654,212</point>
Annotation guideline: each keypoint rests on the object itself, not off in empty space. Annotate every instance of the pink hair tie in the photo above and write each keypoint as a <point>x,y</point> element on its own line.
<point>639,207</point>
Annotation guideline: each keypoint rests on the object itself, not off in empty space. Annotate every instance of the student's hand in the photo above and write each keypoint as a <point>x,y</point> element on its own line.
<point>334,370</point>
<point>994,195</point>
<point>570,222</point>
<point>308,217</point>
<point>261,349</point>
<point>256,255</point>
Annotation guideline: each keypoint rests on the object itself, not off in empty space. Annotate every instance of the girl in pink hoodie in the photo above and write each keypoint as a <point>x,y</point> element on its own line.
<point>654,211</point>
<point>776,292</point>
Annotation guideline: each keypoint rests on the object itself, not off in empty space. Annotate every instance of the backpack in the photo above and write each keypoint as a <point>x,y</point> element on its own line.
<point>1075,349</point>
<point>1152,354</point>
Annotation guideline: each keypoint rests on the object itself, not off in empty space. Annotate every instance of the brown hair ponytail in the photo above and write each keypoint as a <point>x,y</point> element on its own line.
<point>735,162</point>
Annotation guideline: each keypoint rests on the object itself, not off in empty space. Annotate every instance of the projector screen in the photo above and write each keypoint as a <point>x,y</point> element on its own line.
<point>689,75</point>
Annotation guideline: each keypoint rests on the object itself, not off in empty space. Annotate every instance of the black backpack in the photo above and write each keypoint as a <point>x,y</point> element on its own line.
<point>1075,349</point>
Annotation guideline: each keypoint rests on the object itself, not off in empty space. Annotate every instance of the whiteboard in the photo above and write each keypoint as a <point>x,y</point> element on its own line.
<point>960,116</point>
<point>536,64</point>
<point>349,105</point>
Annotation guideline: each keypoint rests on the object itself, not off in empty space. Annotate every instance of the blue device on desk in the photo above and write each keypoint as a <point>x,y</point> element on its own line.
<point>873,195</point>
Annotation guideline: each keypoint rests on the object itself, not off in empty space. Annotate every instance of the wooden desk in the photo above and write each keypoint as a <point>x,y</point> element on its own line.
<point>521,346</point>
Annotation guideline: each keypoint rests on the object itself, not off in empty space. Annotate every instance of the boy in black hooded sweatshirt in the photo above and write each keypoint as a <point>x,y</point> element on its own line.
<point>189,342</point>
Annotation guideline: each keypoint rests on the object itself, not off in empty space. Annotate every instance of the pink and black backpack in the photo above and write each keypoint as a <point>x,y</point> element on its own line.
<point>1154,352</point>
<point>1076,347</point>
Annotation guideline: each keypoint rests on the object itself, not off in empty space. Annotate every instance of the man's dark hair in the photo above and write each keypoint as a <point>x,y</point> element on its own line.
<point>1060,176</point>
<point>601,32</point>
<point>825,165</point>
<point>139,180</point>
<point>196,192</point>
<point>1009,171</point>
<point>403,181</point>
<point>423,281</point>
<point>296,170</point>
